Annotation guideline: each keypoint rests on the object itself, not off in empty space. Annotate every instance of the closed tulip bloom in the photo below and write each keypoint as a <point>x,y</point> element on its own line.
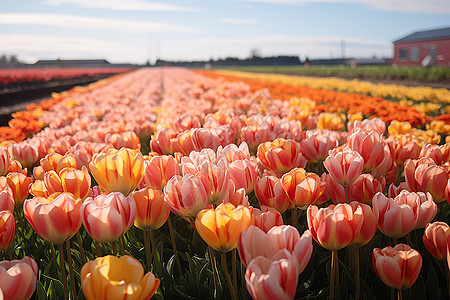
<point>396,217</point>
<point>160,142</point>
<point>233,153</point>
<point>16,166</point>
<point>344,166</point>
<point>221,227</point>
<point>334,190</point>
<point>398,267</point>
<point>55,220</point>
<point>364,188</point>
<point>26,154</point>
<point>266,218</point>
<point>118,170</point>
<point>334,227</point>
<point>370,146</point>
<point>303,188</point>
<point>68,161</point>
<point>269,191</point>
<point>317,144</point>
<point>76,182</point>
<point>7,199</point>
<point>108,216</point>
<point>18,183</point>
<point>427,209</point>
<point>431,178</point>
<point>272,278</point>
<point>158,170</point>
<point>127,139</point>
<point>4,161</point>
<point>185,195</point>
<point>243,173</point>
<point>402,149</point>
<point>277,238</point>
<point>18,278</point>
<point>7,228</point>
<point>369,223</point>
<point>217,182</point>
<point>151,209</point>
<point>117,278</point>
<point>281,155</point>
<point>434,239</point>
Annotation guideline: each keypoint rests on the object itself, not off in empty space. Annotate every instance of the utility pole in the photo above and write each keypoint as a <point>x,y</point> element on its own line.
<point>342,48</point>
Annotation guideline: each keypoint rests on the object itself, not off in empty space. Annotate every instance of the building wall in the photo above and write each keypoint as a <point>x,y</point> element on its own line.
<point>441,57</point>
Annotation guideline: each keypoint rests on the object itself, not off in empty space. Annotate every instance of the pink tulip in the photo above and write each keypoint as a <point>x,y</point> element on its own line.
<point>369,223</point>
<point>344,166</point>
<point>18,278</point>
<point>233,153</point>
<point>397,267</point>
<point>277,238</point>
<point>127,139</point>
<point>55,220</point>
<point>274,278</point>
<point>266,218</point>
<point>370,146</point>
<point>7,199</point>
<point>402,149</point>
<point>160,142</point>
<point>334,227</point>
<point>434,239</point>
<point>18,183</point>
<point>393,190</point>
<point>375,124</point>
<point>4,161</point>
<point>254,135</point>
<point>108,216</point>
<point>26,154</point>
<point>185,195</point>
<point>217,182</point>
<point>269,191</point>
<point>244,174</point>
<point>7,228</point>
<point>427,209</point>
<point>317,144</point>
<point>435,152</point>
<point>396,217</point>
<point>364,188</point>
<point>334,190</point>
<point>158,170</point>
<point>431,178</point>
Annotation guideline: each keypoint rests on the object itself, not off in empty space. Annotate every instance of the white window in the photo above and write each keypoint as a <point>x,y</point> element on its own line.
<point>414,54</point>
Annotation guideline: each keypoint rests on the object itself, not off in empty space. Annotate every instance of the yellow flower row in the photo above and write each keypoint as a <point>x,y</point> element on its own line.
<point>395,91</point>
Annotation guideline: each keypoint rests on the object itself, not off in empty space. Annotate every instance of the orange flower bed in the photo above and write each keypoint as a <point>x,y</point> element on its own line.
<point>333,101</point>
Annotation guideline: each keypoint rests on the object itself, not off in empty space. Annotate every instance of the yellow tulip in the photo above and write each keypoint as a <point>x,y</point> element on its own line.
<point>111,278</point>
<point>118,170</point>
<point>220,228</point>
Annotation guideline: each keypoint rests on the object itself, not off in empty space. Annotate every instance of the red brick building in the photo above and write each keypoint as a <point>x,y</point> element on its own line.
<point>423,48</point>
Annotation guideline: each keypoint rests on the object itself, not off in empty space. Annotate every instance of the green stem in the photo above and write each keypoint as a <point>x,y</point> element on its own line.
<point>97,249</point>
<point>233,268</point>
<point>174,245</point>
<point>122,249</point>
<point>357,279</point>
<point>148,252</point>
<point>55,264</point>
<point>212,258</point>
<point>333,276</point>
<point>114,248</point>
<point>63,270</point>
<point>10,255</point>
<point>294,217</point>
<point>72,277</point>
<point>227,276</point>
<point>399,294</point>
<point>80,246</point>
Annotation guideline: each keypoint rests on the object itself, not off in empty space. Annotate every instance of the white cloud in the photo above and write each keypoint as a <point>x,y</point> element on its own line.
<point>314,47</point>
<point>123,5</point>
<point>82,22</point>
<point>238,21</point>
<point>408,6</point>
<point>43,46</point>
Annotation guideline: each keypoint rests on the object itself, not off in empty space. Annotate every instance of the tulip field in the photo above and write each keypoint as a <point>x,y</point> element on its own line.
<point>169,183</point>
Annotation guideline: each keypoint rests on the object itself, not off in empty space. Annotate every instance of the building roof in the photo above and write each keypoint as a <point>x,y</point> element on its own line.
<point>426,35</point>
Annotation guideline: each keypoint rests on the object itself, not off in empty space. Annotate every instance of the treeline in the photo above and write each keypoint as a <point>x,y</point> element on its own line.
<point>281,60</point>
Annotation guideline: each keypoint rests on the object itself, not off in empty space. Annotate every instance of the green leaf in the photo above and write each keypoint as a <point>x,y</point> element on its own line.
<point>418,290</point>
<point>432,283</point>
<point>40,291</point>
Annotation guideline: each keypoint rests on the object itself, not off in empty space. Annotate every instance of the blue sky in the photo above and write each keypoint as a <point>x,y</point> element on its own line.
<point>139,30</point>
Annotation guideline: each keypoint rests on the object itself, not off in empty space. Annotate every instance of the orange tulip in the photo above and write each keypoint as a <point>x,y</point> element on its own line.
<point>281,155</point>
<point>118,170</point>
<point>151,209</point>
<point>18,278</point>
<point>117,278</point>
<point>303,188</point>
<point>7,228</point>
<point>434,239</point>
<point>221,227</point>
